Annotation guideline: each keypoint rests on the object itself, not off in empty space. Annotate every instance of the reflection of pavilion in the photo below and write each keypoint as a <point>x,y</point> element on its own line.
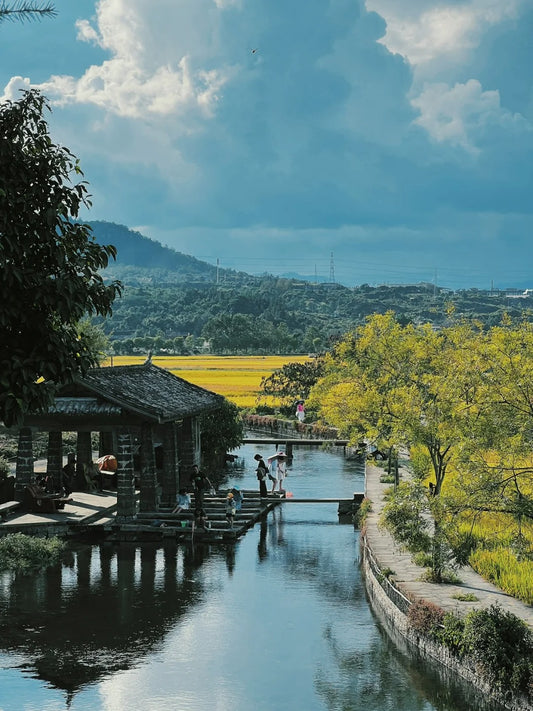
<point>109,609</point>
<point>136,410</point>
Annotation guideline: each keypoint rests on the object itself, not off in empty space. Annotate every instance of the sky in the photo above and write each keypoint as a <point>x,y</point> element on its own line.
<point>356,141</point>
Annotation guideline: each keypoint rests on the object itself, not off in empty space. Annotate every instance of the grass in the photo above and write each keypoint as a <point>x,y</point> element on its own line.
<point>238,378</point>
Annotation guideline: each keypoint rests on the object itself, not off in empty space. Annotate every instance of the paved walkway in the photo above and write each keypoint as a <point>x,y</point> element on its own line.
<point>83,505</point>
<point>407,575</point>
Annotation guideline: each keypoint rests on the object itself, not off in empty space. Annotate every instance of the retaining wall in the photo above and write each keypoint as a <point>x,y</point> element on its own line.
<point>391,607</point>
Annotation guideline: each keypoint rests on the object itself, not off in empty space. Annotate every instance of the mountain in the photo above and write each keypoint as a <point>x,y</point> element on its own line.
<point>171,295</point>
<point>135,251</point>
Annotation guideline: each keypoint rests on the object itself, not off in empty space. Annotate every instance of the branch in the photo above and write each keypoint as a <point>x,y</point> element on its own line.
<point>26,11</point>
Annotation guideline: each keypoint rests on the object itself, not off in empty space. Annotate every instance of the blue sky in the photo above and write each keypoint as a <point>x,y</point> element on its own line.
<point>390,139</point>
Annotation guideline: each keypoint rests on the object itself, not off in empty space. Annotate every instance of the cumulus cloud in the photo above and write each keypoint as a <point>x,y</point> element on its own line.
<point>422,31</point>
<point>459,114</point>
<point>149,70</point>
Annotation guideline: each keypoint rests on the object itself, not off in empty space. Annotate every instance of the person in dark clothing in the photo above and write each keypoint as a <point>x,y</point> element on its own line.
<point>201,484</point>
<point>68,474</point>
<point>262,475</point>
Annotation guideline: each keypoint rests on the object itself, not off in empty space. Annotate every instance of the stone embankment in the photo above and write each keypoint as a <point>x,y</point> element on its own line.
<point>393,582</point>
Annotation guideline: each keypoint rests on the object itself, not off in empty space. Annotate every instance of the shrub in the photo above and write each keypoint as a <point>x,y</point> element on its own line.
<point>4,467</point>
<point>21,552</point>
<point>425,617</point>
<point>451,633</point>
<point>501,645</point>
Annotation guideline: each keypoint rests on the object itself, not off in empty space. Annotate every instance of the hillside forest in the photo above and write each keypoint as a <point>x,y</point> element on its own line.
<point>175,304</point>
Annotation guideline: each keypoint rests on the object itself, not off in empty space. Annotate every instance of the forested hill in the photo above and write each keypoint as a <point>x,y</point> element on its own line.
<point>140,259</point>
<point>176,303</point>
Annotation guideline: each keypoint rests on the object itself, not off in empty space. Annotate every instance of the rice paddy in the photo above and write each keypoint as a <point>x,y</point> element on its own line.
<point>238,378</point>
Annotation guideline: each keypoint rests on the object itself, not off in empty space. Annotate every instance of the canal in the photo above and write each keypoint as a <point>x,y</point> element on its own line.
<point>278,622</point>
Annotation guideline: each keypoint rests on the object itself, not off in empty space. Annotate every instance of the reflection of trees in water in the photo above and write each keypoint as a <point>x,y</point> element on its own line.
<point>314,558</point>
<point>386,678</point>
<point>376,671</point>
<point>116,608</point>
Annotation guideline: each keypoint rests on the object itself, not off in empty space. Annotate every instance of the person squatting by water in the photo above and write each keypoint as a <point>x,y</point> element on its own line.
<point>262,474</point>
<point>230,509</point>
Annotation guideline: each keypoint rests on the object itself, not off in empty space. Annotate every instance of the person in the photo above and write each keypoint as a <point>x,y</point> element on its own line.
<point>183,502</point>
<point>300,412</point>
<point>200,520</point>
<point>68,474</point>
<point>262,473</point>
<point>230,509</point>
<point>238,497</point>
<point>281,470</point>
<point>201,484</point>
<point>272,472</point>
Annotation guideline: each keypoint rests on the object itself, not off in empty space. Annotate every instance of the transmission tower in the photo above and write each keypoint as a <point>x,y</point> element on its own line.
<point>331,269</point>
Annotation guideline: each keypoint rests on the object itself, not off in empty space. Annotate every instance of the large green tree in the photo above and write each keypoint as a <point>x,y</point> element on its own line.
<point>49,262</point>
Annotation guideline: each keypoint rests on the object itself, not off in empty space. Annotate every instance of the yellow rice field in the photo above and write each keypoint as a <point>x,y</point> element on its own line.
<point>236,377</point>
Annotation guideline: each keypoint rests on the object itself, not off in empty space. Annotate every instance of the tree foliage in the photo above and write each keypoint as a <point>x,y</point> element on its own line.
<point>293,381</point>
<point>460,398</point>
<point>49,262</point>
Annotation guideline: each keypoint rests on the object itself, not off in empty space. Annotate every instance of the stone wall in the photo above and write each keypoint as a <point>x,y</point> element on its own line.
<point>391,606</point>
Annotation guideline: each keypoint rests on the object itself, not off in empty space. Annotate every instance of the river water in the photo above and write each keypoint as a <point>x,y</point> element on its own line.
<point>278,622</point>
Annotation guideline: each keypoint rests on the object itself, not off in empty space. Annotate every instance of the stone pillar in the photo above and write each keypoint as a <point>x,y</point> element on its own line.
<point>170,476</point>
<point>187,447</point>
<point>54,459</point>
<point>106,444</point>
<point>148,485</point>
<point>84,457</point>
<point>126,506</point>
<point>24,469</point>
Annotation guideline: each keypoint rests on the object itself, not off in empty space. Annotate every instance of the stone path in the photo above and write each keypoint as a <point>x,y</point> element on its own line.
<point>407,575</point>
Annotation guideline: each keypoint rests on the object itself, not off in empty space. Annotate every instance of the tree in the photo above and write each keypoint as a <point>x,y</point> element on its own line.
<point>26,11</point>
<point>292,382</point>
<point>222,431</point>
<point>49,263</point>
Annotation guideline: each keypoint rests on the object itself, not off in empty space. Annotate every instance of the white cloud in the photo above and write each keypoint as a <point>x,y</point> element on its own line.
<point>150,71</point>
<point>424,31</point>
<point>14,87</point>
<point>460,113</point>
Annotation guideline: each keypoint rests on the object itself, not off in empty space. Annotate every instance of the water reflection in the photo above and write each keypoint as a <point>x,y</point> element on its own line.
<point>278,622</point>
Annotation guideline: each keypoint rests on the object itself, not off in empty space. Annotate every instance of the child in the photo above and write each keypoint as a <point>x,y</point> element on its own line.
<point>230,509</point>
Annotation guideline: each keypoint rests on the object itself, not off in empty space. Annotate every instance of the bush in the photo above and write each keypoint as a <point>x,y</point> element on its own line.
<point>501,645</point>
<point>4,467</point>
<point>21,552</point>
<point>425,617</point>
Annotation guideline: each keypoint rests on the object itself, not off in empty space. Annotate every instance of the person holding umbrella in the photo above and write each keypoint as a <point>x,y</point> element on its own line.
<point>278,467</point>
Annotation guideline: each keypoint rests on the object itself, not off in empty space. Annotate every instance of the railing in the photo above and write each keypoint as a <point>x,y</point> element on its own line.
<point>392,592</point>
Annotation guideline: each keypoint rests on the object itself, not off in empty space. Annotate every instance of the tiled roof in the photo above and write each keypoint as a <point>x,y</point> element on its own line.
<point>149,390</point>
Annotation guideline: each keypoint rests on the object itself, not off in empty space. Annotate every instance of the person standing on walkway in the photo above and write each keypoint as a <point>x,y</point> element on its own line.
<point>238,497</point>
<point>262,474</point>
<point>230,509</point>
<point>300,411</point>
<point>201,484</point>
<point>281,470</point>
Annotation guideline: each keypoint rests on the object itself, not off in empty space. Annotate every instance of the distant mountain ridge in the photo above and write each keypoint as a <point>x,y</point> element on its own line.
<point>136,250</point>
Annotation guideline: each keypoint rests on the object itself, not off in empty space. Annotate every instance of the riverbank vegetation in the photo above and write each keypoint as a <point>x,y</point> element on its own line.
<point>24,553</point>
<point>460,398</point>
